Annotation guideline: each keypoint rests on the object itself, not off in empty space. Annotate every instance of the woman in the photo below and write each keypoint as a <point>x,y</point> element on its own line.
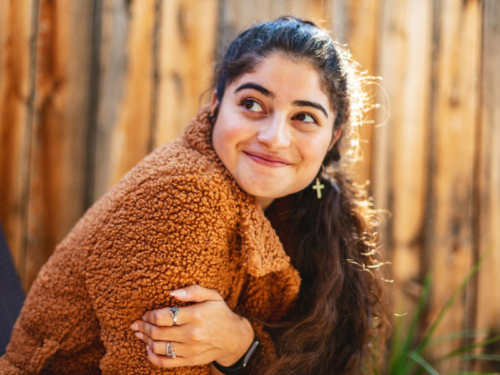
<point>187,228</point>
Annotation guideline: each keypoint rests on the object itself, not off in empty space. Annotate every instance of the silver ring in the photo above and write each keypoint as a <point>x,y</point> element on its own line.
<point>174,313</point>
<point>170,351</point>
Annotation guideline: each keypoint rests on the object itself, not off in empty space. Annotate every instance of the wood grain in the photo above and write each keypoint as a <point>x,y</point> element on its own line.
<point>126,90</point>
<point>115,23</point>
<point>132,130</point>
<point>401,141</point>
<point>186,60</point>
<point>114,49</point>
<point>58,144</point>
<point>453,132</point>
<point>16,81</point>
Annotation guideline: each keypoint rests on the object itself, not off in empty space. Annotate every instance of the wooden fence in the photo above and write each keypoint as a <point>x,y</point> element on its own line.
<point>88,88</point>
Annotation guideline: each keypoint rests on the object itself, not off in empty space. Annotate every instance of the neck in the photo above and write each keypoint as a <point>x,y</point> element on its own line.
<point>264,202</point>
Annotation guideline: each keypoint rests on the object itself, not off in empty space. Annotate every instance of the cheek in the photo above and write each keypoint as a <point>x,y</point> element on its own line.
<point>228,134</point>
<point>313,150</point>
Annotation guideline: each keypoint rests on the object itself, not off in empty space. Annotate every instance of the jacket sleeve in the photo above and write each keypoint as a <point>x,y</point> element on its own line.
<point>57,331</point>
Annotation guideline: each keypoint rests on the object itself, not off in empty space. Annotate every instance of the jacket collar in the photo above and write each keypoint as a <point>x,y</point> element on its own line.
<point>262,251</point>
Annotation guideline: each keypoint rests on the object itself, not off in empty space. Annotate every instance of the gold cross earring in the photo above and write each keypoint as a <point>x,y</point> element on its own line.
<point>318,188</point>
<point>318,185</point>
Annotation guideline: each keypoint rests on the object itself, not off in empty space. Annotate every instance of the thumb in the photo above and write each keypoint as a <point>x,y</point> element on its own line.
<point>196,293</point>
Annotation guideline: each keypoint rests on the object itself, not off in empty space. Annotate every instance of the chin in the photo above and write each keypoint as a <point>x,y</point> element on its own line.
<point>262,189</point>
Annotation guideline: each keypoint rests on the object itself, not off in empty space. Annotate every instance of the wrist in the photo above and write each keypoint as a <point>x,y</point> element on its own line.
<point>246,336</point>
<point>239,366</point>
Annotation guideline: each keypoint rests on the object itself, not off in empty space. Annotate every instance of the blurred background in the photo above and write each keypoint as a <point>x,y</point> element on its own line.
<point>88,88</point>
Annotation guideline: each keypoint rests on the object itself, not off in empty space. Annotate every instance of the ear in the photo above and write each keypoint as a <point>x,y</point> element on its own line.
<point>214,103</point>
<point>336,137</point>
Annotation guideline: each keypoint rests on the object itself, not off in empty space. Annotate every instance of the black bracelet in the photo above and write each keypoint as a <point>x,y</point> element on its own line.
<point>242,362</point>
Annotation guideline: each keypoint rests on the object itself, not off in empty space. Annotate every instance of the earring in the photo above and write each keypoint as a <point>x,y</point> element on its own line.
<point>318,186</point>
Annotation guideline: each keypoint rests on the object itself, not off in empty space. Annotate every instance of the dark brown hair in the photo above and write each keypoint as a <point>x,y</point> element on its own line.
<point>338,323</point>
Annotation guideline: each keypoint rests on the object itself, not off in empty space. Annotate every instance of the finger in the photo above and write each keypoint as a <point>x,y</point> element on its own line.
<point>161,317</point>
<point>160,347</point>
<point>168,362</point>
<point>153,331</point>
<point>196,293</point>
<point>181,334</point>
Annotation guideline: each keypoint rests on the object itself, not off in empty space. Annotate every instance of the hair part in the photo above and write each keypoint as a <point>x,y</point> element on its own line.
<point>338,321</point>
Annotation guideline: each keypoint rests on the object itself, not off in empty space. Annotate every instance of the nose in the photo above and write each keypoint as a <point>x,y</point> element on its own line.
<point>275,132</point>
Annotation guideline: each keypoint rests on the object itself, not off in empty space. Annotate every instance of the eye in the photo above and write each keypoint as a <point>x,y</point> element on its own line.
<point>304,117</point>
<point>252,105</point>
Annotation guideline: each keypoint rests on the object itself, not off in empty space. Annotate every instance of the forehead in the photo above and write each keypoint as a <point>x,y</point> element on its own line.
<point>289,79</point>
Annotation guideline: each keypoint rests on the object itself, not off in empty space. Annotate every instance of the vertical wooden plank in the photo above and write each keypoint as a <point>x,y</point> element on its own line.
<point>131,138</point>
<point>339,20</point>
<point>187,48</point>
<point>359,30</point>
<point>94,98</point>
<point>400,139</point>
<point>58,144</point>
<point>124,120</point>
<point>112,79</point>
<point>16,64</point>
<point>488,308</point>
<point>453,134</point>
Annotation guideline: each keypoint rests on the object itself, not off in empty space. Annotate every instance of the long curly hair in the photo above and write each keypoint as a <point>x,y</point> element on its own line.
<point>339,323</point>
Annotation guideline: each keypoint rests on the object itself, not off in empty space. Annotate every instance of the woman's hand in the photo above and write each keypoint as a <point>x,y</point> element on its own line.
<point>206,331</point>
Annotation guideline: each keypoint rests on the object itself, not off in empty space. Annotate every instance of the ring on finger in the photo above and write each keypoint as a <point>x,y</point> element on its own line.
<point>170,351</point>
<point>174,313</point>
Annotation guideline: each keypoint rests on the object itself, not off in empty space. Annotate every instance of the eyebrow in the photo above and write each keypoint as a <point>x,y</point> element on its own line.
<point>270,94</point>
<point>254,86</point>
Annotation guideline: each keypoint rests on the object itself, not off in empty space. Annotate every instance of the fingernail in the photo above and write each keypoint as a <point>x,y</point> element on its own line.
<point>138,335</point>
<point>135,326</point>
<point>144,317</point>
<point>178,293</point>
<point>148,348</point>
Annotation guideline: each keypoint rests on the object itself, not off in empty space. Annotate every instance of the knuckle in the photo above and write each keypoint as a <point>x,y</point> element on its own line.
<point>197,315</point>
<point>154,333</point>
<point>195,335</point>
<point>161,321</point>
<point>159,318</point>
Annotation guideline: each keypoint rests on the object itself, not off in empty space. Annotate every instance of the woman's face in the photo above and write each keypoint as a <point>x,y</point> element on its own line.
<point>274,128</point>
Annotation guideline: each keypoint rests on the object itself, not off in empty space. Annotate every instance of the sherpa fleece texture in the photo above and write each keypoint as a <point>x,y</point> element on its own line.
<point>178,218</point>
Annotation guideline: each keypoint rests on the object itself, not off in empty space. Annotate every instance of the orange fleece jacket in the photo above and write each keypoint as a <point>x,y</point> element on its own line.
<point>178,218</point>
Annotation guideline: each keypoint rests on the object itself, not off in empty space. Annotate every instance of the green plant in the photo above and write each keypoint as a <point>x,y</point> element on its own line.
<point>406,356</point>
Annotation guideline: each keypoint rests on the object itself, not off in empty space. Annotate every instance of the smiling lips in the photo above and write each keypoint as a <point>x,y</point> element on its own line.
<point>267,160</point>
